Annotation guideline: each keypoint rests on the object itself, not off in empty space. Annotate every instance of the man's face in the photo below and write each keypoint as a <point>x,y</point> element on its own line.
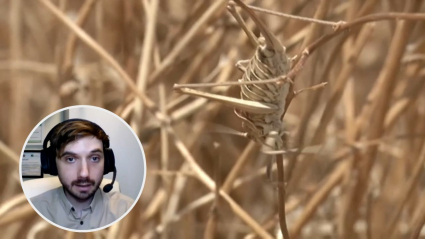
<point>80,167</point>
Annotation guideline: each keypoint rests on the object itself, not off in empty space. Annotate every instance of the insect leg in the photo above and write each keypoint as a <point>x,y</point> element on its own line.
<point>293,59</point>
<point>269,168</point>
<point>218,128</point>
<point>314,87</point>
<point>307,150</point>
<point>240,66</point>
<point>245,105</point>
<point>249,124</point>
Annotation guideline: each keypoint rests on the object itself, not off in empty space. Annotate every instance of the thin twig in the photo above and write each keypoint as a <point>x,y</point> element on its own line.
<point>145,61</point>
<point>212,220</point>
<point>164,155</point>
<point>290,16</point>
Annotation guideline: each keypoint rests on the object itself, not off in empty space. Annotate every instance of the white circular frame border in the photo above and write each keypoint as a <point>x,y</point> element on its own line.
<point>144,165</point>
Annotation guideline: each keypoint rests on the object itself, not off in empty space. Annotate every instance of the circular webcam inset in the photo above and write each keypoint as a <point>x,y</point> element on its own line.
<point>82,168</point>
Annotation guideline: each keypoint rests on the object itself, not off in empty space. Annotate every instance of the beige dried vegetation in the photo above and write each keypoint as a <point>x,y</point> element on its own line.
<point>367,181</point>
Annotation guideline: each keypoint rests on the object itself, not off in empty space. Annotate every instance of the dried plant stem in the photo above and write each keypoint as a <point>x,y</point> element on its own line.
<point>349,106</point>
<point>17,214</point>
<point>211,46</point>
<point>126,112</point>
<point>339,29</point>
<point>198,131</point>
<point>210,196</point>
<point>406,194</point>
<point>318,198</point>
<point>368,217</point>
<point>9,153</point>
<point>106,56</point>
<point>11,203</point>
<point>207,181</point>
<point>230,179</point>
<point>154,205</point>
<point>180,181</point>
<point>397,109</point>
<point>343,26</point>
<point>180,46</point>
<point>403,104</point>
<point>388,78</point>
<point>192,207</point>
<point>72,39</point>
<point>38,227</point>
<point>113,231</point>
<point>175,195</point>
<point>296,38</point>
<point>164,156</point>
<point>418,224</point>
<point>367,7</point>
<point>336,94</point>
<point>70,235</point>
<point>212,220</point>
<point>145,61</point>
<point>31,66</point>
<point>341,81</point>
<point>184,111</point>
<point>290,16</point>
<point>315,29</point>
<point>306,119</point>
<point>17,103</point>
<point>413,58</point>
<point>281,195</point>
<point>363,20</point>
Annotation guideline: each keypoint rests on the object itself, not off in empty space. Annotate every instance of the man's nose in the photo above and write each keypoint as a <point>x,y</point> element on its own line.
<point>84,169</point>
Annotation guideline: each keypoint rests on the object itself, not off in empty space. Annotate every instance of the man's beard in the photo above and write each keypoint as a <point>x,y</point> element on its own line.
<point>71,189</point>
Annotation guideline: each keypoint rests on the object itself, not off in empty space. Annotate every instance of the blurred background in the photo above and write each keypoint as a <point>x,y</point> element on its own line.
<point>366,181</point>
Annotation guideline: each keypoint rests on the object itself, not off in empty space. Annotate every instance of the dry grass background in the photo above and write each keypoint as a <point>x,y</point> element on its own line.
<point>366,182</point>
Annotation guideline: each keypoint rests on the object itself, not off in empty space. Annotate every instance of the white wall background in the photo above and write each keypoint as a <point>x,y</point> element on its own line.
<point>129,157</point>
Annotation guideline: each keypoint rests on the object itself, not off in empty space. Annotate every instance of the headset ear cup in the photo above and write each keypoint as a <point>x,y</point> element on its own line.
<point>109,164</point>
<point>48,161</point>
<point>52,160</point>
<point>45,161</point>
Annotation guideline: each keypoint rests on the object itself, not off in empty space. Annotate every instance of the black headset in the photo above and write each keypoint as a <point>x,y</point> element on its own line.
<point>48,155</point>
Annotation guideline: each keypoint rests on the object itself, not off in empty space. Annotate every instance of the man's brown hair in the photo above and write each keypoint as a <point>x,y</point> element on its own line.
<point>70,131</point>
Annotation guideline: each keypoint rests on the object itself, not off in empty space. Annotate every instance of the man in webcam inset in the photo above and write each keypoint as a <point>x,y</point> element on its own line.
<point>79,154</point>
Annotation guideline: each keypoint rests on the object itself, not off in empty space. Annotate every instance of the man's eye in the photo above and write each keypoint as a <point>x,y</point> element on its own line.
<point>70,160</point>
<point>95,158</point>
